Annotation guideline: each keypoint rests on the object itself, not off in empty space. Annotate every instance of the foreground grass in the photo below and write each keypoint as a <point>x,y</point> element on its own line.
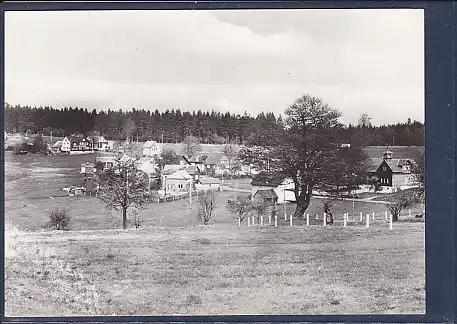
<point>217,269</point>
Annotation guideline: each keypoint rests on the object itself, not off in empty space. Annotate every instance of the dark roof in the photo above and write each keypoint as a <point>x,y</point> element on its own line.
<point>394,164</point>
<point>172,168</point>
<point>267,179</point>
<point>266,194</point>
<point>74,139</point>
<point>209,181</point>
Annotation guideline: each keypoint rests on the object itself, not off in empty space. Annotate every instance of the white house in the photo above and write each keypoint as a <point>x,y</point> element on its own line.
<point>282,186</point>
<point>151,148</point>
<point>66,145</point>
<point>100,143</point>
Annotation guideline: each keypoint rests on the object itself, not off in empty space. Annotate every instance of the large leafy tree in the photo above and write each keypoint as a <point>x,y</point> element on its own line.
<point>123,186</point>
<point>306,150</point>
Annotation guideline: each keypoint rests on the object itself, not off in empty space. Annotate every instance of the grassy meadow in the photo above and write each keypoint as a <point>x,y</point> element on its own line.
<point>174,265</point>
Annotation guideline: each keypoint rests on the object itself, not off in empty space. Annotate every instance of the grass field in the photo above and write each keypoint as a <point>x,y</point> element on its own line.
<point>174,265</point>
<point>218,270</point>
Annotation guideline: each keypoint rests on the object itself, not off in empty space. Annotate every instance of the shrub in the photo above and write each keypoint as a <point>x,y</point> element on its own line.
<point>59,219</point>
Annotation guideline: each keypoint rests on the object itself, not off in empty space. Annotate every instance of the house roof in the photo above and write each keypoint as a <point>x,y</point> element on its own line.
<point>180,175</point>
<point>267,179</point>
<point>97,139</point>
<point>148,144</point>
<point>394,164</point>
<point>170,168</point>
<point>57,144</point>
<point>266,194</point>
<point>209,181</point>
<point>74,139</point>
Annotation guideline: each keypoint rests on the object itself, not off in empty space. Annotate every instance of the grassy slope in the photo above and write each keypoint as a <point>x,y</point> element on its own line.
<point>219,270</point>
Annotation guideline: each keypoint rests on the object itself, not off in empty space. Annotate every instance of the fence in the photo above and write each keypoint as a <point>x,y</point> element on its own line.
<point>360,220</point>
<point>174,197</point>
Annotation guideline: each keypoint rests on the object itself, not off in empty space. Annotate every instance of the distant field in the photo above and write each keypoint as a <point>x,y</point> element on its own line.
<point>399,152</point>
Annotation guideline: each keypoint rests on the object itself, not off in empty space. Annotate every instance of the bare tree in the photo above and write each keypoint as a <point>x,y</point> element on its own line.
<point>207,203</point>
<point>260,207</point>
<point>123,186</point>
<point>240,206</point>
<point>364,122</point>
<point>327,204</point>
<point>400,200</point>
<point>190,146</point>
<point>229,150</point>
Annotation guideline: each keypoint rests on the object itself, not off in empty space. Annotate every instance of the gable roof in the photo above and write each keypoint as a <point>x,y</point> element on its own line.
<point>266,194</point>
<point>74,139</point>
<point>180,175</point>
<point>171,168</point>
<point>394,164</point>
<point>209,181</point>
<point>97,139</point>
<point>267,179</point>
<point>57,144</point>
<point>149,144</point>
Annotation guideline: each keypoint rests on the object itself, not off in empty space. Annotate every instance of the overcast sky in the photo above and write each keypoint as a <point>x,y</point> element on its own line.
<point>358,61</point>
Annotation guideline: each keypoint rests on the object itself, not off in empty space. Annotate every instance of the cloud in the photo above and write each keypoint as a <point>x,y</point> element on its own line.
<point>359,61</point>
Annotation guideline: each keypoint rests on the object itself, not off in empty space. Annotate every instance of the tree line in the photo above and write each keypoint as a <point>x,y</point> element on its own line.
<point>172,126</point>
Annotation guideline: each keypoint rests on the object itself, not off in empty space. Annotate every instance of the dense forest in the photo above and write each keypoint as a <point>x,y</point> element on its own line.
<point>173,125</point>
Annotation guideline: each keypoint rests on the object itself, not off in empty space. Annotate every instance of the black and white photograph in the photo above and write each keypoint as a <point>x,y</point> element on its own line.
<point>214,162</point>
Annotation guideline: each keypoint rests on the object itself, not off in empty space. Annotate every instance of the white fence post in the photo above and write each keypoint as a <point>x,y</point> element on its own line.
<point>307,219</point>
<point>325,219</point>
<point>261,220</point>
<point>391,221</point>
<point>361,217</point>
<point>317,216</point>
<point>269,219</point>
<point>373,215</point>
<point>276,220</point>
<point>253,220</point>
<point>386,215</point>
<point>345,220</point>
<point>290,220</point>
<point>368,220</point>
<point>239,221</point>
<point>409,213</point>
<point>249,221</point>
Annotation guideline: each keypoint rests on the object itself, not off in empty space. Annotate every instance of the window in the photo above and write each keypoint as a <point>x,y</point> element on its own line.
<point>180,186</point>
<point>384,169</point>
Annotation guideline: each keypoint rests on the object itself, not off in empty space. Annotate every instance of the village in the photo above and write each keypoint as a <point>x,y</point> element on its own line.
<point>215,162</point>
<point>206,171</point>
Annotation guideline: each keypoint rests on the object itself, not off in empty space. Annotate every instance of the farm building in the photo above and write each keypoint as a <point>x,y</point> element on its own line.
<point>151,148</point>
<point>206,163</point>
<point>208,184</point>
<point>392,172</point>
<point>177,182</point>
<point>76,144</point>
<point>190,169</point>
<point>267,196</point>
<point>280,185</point>
<point>99,143</point>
